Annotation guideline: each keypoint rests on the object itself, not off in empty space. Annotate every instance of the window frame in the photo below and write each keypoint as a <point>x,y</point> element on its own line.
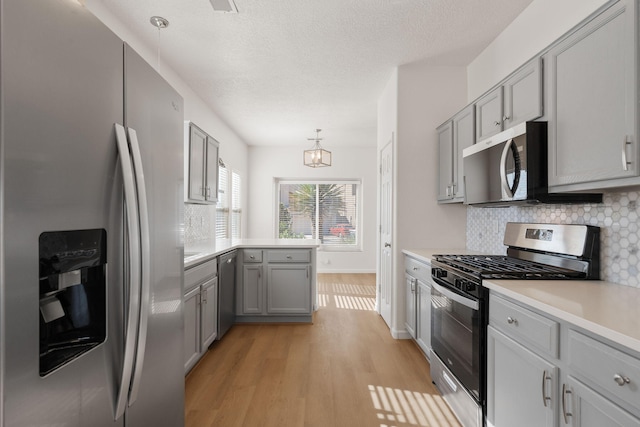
<point>355,247</point>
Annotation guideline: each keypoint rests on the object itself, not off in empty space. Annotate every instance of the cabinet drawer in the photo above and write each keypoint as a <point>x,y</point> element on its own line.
<point>295,255</point>
<point>200,273</point>
<point>417,269</point>
<point>605,367</point>
<point>251,255</point>
<point>524,325</point>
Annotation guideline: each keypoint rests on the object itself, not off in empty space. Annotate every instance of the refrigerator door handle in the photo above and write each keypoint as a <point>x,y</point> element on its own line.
<point>146,263</point>
<point>132,240</point>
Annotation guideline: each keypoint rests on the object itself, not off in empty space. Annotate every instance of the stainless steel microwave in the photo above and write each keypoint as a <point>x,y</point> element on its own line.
<point>511,168</point>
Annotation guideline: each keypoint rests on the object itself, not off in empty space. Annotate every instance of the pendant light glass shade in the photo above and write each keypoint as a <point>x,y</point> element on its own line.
<point>317,157</point>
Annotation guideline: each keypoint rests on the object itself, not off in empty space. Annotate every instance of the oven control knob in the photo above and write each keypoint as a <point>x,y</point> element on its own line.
<point>470,287</point>
<point>438,273</point>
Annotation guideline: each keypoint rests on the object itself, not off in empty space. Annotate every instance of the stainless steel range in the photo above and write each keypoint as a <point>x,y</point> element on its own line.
<point>460,303</point>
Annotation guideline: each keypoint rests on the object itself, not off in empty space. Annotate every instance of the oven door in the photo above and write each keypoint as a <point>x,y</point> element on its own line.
<point>457,335</point>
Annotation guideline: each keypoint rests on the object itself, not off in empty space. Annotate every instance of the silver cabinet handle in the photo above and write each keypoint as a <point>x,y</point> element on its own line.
<point>545,398</point>
<point>387,245</point>
<point>252,257</point>
<point>260,272</point>
<point>620,380</point>
<point>415,269</point>
<point>505,118</point>
<point>565,414</point>
<point>625,162</point>
<point>512,321</point>
<point>289,257</point>
<point>496,123</point>
<point>230,260</point>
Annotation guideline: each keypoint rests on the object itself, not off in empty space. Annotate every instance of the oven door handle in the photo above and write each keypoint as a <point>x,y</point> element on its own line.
<point>474,305</point>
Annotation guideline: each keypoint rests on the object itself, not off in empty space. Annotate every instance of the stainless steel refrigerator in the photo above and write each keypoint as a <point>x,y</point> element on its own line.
<point>90,217</point>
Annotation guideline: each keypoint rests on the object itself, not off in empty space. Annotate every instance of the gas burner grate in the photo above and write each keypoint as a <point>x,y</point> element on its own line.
<point>504,267</point>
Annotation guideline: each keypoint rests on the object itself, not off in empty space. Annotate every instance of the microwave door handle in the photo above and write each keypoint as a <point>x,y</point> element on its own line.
<point>503,169</point>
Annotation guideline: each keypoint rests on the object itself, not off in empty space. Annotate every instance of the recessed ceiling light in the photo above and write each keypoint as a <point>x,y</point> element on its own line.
<point>159,22</point>
<point>224,6</point>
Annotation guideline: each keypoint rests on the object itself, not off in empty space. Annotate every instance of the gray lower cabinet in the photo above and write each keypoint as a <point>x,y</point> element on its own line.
<point>423,321</point>
<point>418,302</point>
<point>410,295</point>
<point>520,384</point>
<point>276,284</point>
<point>582,406</point>
<point>191,328</point>
<point>593,103</point>
<point>546,372</point>
<point>200,311</point>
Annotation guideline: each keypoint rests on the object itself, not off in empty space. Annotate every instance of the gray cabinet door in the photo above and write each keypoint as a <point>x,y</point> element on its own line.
<point>209,312</point>
<point>423,334</point>
<point>411,288</point>
<point>521,386</point>
<point>289,289</point>
<point>197,168</point>
<point>583,407</point>
<point>252,289</point>
<point>211,193</point>
<point>463,137</point>
<point>489,114</point>
<point>593,117</point>
<point>191,328</point>
<point>523,95</point>
<point>445,161</point>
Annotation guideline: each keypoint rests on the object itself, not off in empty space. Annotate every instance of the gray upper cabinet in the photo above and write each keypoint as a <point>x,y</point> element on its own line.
<point>489,114</point>
<point>445,161</point>
<point>593,106</point>
<point>517,100</point>
<point>453,137</point>
<point>523,95</point>
<point>201,166</point>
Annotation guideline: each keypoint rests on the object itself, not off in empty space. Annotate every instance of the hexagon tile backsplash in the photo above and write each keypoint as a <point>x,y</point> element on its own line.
<point>617,218</point>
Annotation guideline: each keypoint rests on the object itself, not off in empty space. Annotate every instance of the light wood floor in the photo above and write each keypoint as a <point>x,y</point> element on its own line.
<point>343,370</point>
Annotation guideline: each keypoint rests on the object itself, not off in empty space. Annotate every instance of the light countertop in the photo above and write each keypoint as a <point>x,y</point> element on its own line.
<point>607,309</point>
<point>209,250</point>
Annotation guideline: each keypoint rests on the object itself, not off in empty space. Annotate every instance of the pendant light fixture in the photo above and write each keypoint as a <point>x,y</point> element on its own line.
<point>317,157</point>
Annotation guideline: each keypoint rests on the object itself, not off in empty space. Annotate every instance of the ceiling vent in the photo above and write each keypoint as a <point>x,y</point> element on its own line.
<point>224,6</point>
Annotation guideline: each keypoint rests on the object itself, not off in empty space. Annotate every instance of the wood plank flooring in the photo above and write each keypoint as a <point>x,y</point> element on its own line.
<point>343,370</point>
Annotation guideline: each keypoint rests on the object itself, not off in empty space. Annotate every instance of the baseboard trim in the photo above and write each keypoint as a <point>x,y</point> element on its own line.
<point>343,271</point>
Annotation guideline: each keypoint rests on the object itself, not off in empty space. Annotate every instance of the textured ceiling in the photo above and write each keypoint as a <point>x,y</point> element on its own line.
<point>279,69</point>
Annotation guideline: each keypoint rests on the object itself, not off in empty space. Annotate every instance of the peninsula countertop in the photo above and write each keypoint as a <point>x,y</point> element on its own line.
<point>212,249</point>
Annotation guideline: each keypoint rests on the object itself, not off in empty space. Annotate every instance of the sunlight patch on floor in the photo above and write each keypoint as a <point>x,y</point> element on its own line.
<point>403,407</point>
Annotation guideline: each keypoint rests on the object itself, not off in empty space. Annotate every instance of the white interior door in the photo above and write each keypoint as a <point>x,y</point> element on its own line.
<point>385,281</point>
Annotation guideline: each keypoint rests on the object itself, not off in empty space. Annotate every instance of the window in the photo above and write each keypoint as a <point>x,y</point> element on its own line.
<point>228,208</point>
<point>236,208</point>
<point>324,210</point>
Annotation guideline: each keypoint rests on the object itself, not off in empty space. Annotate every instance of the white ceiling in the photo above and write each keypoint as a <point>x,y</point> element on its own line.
<point>279,69</point>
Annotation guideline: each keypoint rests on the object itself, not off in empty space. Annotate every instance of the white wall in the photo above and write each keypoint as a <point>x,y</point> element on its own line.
<point>268,163</point>
<point>540,24</point>
<point>416,100</point>
<point>233,150</point>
